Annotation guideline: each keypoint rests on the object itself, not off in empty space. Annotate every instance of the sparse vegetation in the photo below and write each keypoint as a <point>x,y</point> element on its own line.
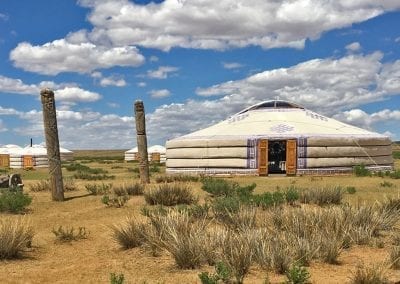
<point>297,274</point>
<point>361,171</point>
<point>115,201</point>
<point>68,234</point>
<point>98,189</point>
<point>322,195</point>
<point>14,201</point>
<point>117,278</point>
<point>369,275</point>
<point>16,236</point>
<point>130,234</point>
<point>170,194</point>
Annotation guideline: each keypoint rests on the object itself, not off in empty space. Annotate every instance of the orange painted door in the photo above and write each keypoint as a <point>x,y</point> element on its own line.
<point>155,157</point>
<point>4,161</point>
<point>291,157</point>
<point>28,162</point>
<point>263,157</point>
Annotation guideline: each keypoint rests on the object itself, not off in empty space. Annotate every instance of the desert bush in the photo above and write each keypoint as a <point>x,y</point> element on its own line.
<point>361,171</point>
<point>68,234</point>
<point>218,187</point>
<point>117,278</point>
<point>69,184</point>
<point>181,238</point>
<point>369,274</point>
<point>386,184</point>
<point>119,191</point>
<point>115,201</point>
<point>176,178</point>
<point>222,207</point>
<point>130,234</point>
<point>98,189</point>
<point>241,220</point>
<point>291,195</point>
<point>238,254</point>
<point>89,176</point>
<point>280,255</point>
<point>322,196</point>
<point>268,199</point>
<point>170,194</point>
<point>85,169</point>
<point>134,189</point>
<point>395,174</point>
<point>16,235</point>
<point>13,201</point>
<point>351,190</point>
<point>42,185</point>
<point>297,274</point>
<point>222,274</point>
<point>394,257</point>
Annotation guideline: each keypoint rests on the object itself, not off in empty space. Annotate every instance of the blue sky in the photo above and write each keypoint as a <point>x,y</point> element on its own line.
<point>193,63</point>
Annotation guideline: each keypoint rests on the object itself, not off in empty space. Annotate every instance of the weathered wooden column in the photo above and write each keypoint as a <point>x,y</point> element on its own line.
<point>142,142</point>
<point>52,144</point>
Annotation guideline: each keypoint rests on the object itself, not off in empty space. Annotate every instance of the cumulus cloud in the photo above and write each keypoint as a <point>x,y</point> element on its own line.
<point>142,84</point>
<point>363,119</point>
<point>65,92</point>
<point>64,56</point>
<point>353,47</point>
<point>162,72</point>
<point>3,17</point>
<point>113,81</point>
<point>159,94</point>
<point>209,24</point>
<point>231,65</point>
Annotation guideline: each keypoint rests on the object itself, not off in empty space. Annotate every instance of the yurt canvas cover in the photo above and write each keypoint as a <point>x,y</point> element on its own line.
<point>278,137</point>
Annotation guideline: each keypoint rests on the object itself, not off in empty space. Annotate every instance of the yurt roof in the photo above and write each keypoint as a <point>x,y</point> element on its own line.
<point>156,149</point>
<point>34,150</point>
<point>9,149</point>
<point>279,119</point>
<point>133,150</point>
<point>65,151</point>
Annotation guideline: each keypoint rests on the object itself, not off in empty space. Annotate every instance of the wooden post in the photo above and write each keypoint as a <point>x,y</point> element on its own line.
<point>52,144</point>
<point>142,142</point>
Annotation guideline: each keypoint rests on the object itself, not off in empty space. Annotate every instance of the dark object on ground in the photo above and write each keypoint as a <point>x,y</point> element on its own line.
<point>11,181</point>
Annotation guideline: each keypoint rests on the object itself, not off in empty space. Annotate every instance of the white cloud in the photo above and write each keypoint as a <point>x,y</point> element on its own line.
<point>397,39</point>
<point>3,17</point>
<point>362,119</point>
<point>113,105</point>
<point>153,58</point>
<point>112,81</point>
<point>64,56</point>
<point>231,65</point>
<point>162,72</point>
<point>209,24</point>
<point>65,93</point>
<point>353,47</point>
<point>3,127</point>
<point>142,84</point>
<point>158,94</point>
<point>75,94</point>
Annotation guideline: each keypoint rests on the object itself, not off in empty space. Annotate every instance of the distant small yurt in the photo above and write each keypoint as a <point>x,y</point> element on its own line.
<point>157,153</point>
<point>5,152</point>
<point>278,137</point>
<point>132,154</point>
<point>66,155</point>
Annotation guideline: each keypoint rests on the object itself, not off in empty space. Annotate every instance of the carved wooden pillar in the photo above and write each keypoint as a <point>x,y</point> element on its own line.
<point>52,144</point>
<point>142,142</point>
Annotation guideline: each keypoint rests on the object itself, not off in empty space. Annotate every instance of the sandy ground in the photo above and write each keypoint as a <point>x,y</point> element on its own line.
<point>93,259</point>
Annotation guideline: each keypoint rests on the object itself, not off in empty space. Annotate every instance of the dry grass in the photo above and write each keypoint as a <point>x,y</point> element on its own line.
<point>102,255</point>
<point>16,236</point>
<point>130,234</point>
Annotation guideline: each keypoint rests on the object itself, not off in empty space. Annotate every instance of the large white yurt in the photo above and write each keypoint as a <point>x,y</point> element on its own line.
<point>157,153</point>
<point>278,137</point>
<point>132,154</point>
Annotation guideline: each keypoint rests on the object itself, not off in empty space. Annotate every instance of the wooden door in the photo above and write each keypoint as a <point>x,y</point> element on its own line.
<point>291,157</point>
<point>4,161</point>
<point>155,157</point>
<point>28,162</point>
<point>263,157</point>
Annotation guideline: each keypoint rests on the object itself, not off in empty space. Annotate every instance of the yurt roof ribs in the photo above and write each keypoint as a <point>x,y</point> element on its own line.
<point>271,104</point>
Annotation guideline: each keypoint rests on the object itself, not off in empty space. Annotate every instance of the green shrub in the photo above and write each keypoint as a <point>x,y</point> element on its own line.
<point>98,189</point>
<point>395,174</point>
<point>222,274</point>
<point>16,235</point>
<point>117,279</point>
<point>176,178</point>
<point>68,234</point>
<point>291,195</point>
<point>115,201</point>
<point>297,274</point>
<point>223,206</point>
<point>396,154</point>
<point>89,176</point>
<point>268,199</point>
<point>170,195</point>
<point>218,187</point>
<point>351,190</point>
<point>361,171</point>
<point>13,201</point>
